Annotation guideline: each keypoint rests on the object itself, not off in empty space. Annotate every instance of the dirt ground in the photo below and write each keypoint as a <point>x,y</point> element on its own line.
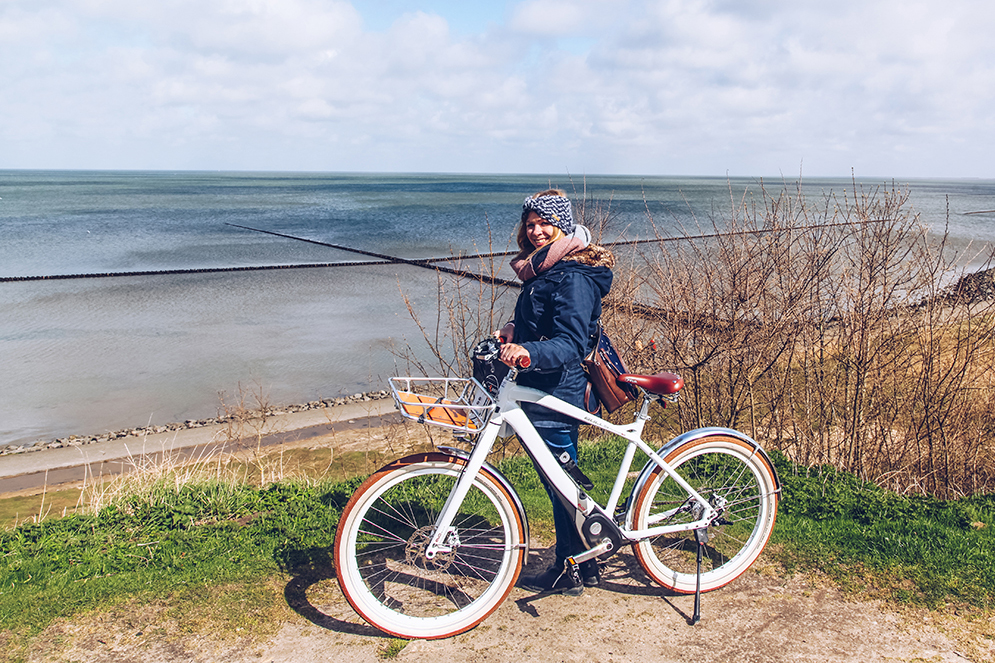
<point>761,617</point>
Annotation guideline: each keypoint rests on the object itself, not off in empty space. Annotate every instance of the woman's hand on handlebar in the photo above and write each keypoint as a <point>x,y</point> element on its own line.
<point>515,355</point>
<point>506,333</point>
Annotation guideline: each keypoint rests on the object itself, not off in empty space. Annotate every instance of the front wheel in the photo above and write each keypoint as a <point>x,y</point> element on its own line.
<point>738,482</point>
<point>381,539</point>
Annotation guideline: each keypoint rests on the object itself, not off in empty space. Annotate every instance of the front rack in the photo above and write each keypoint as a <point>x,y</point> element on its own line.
<point>460,404</point>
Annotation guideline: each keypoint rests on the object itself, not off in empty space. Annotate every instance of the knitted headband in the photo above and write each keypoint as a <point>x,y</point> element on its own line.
<point>555,209</point>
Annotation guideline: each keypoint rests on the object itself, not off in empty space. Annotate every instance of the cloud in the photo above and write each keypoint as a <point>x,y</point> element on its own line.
<point>565,18</point>
<point>848,84</point>
<point>670,86</point>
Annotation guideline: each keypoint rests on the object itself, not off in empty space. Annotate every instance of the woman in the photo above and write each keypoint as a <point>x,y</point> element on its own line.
<point>564,278</point>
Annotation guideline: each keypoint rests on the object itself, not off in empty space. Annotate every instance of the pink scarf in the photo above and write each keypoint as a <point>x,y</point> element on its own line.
<point>547,256</point>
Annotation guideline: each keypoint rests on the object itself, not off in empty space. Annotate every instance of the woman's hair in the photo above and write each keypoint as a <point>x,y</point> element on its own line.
<point>524,244</point>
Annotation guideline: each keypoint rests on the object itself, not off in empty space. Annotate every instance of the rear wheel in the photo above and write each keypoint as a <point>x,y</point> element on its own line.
<point>738,482</point>
<point>381,540</point>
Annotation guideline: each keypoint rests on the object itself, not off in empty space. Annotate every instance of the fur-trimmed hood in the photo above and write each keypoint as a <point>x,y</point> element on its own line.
<point>594,255</point>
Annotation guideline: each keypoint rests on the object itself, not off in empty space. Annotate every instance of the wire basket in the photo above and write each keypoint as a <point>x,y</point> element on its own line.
<point>460,404</point>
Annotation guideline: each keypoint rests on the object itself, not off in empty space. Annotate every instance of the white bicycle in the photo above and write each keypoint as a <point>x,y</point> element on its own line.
<point>431,544</point>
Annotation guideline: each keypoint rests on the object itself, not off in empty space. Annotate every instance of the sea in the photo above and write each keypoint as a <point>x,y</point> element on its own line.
<point>193,325</point>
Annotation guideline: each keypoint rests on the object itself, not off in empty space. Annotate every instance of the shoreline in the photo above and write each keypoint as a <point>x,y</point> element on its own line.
<point>12,448</point>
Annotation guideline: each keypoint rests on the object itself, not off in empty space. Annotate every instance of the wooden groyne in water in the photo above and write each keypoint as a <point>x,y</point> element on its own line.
<point>196,270</point>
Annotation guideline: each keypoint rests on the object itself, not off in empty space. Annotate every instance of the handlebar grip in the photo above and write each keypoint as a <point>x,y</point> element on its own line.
<point>524,362</point>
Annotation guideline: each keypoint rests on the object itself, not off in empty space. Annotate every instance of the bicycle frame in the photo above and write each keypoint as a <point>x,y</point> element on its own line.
<point>508,412</point>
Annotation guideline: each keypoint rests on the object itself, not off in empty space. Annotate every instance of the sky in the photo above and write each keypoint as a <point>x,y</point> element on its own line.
<point>872,88</point>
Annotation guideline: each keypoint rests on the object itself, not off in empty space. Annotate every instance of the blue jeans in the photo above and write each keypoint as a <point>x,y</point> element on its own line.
<point>568,541</point>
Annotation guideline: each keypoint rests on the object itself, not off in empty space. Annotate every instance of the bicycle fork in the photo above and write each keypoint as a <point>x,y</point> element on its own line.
<point>445,538</point>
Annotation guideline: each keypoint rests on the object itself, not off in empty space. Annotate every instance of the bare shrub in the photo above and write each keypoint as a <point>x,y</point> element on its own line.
<point>466,311</point>
<point>824,331</point>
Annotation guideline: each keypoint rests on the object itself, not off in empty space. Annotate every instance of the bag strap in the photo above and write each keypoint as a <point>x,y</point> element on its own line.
<point>588,393</point>
<point>595,338</point>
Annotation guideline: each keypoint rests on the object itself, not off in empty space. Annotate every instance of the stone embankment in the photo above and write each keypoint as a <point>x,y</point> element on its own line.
<point>975,287</point>
<point>79,440</point>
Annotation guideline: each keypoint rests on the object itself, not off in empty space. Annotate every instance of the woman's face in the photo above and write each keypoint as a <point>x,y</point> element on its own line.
<point>538,230</point>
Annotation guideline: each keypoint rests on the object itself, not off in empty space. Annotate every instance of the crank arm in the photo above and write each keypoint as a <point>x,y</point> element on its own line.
<point>600,549</point>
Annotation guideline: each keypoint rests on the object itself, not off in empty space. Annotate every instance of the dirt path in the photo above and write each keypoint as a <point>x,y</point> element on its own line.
<point>761,617</point>
<point>758,618</point>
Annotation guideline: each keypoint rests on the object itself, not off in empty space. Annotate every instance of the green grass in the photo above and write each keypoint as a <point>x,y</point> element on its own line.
<point>173,545</point>
<point>152,547</point>
<point>392,648</point>
<point>914,549</point>
<point>304,463</point>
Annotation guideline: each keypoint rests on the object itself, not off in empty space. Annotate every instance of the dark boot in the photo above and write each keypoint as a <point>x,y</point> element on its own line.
<point>590,573</point>
<point>555,580</point>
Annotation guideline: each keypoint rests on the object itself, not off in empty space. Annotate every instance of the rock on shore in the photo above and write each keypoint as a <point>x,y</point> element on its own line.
<point>975,287</point>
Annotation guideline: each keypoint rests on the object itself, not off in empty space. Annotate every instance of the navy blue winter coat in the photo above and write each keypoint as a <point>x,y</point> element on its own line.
<point>556,319</point>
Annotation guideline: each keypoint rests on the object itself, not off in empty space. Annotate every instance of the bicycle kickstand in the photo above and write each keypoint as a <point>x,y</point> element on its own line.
<point>701,537</point>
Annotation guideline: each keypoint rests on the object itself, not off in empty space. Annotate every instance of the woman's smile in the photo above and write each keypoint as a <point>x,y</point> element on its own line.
<point>538,230</point>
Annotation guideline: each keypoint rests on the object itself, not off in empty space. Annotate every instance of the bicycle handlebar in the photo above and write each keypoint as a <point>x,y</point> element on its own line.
<point>489,349</point>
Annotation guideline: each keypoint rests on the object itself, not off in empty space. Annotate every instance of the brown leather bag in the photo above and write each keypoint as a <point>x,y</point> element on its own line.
<point>603,365</point>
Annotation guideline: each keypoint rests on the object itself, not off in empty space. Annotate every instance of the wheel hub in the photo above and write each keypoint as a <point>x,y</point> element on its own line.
<point>719,504</point>
<point>414,551</point>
